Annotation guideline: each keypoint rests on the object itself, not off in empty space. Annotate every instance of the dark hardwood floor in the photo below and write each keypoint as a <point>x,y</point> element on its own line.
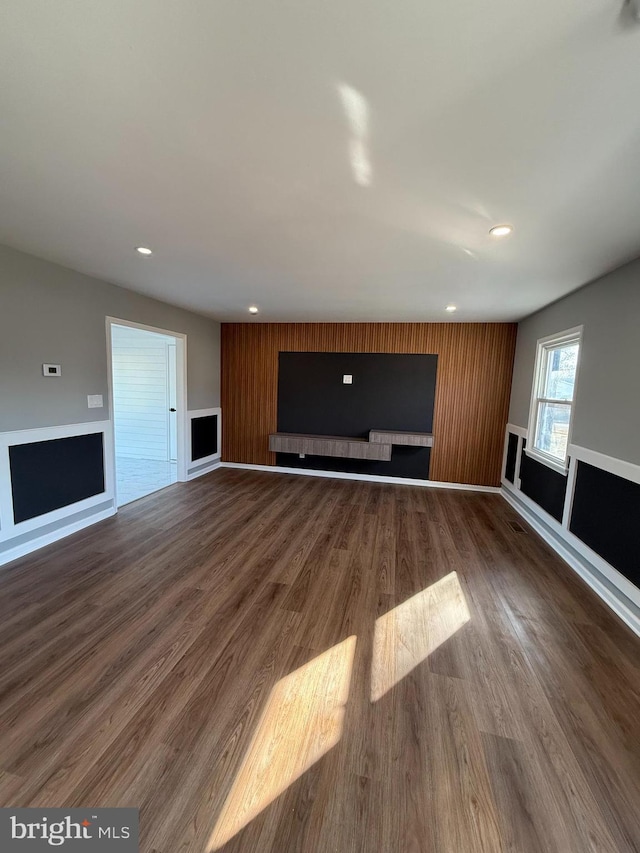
<point>272,663</point>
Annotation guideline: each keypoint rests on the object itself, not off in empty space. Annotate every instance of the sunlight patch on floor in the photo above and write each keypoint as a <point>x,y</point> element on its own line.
<point>302,721</point>
<point>405,636</point>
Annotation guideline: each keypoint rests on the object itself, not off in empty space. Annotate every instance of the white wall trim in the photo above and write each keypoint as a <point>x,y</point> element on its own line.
<point>570,491</point>
<point>573,550</point>
<point>202,413</point>
<point>627,470</point>
<point>505,451</point>
<point>584,563</point>
<point>523,432</point>
<point>367,478</point>
<point>8,528</point>
<point>192,475</point>
<point>41,541</point>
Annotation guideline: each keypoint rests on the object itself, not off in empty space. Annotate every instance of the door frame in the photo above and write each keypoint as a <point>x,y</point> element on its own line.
<point>181,391</point>
<point>172,385</point>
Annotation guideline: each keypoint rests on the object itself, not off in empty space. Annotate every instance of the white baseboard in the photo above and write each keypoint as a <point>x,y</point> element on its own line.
<point>554,535</point>
<point>48,538</point>
<point>367,478</point>
<point>191,475</point>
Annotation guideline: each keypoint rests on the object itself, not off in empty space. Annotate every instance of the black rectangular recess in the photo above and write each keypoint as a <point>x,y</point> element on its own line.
<point>48,475</point>
<point>606,516</point>
<point>512,456</point>
<point>204,437</point>
<point>548,488</point>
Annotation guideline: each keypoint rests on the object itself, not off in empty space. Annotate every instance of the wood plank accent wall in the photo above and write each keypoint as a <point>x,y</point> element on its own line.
<point>475,363</point>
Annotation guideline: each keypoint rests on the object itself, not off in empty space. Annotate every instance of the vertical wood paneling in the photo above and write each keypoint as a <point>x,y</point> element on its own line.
<point>475,362</point>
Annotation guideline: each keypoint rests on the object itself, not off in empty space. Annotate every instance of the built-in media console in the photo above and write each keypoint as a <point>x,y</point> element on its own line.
<point>377,447</point>
<point>404,439</point>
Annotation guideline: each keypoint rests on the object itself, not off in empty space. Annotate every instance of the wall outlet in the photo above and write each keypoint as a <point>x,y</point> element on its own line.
<point>94,401</point>
<point>347,379</point>
<point>51,370</point>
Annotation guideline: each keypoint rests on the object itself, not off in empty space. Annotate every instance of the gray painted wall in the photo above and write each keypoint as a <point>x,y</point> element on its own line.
<point>51,314</point>
<point>607,408</point>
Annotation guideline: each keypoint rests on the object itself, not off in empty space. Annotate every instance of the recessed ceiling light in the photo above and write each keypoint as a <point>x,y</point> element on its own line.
<point>253,309</point>
<point>143,250</point>
<point>501,230</point>
<point>451,308</point>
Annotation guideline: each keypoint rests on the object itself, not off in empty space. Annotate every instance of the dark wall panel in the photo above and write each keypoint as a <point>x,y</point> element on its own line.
<point>47,475</point>
<point>410,462</point>
<point>543,485</point>
<point>606,517</point>
<point>204,437</point>
<point>512,456</point>
<point>389,391</point>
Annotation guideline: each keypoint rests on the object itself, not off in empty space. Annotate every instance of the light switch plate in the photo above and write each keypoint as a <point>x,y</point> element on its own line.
<point>347,379</point>
<point>94,401</point>
<point>51,370</point>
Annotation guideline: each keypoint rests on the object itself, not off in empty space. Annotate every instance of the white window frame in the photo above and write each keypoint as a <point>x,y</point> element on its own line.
<point>544,345</point>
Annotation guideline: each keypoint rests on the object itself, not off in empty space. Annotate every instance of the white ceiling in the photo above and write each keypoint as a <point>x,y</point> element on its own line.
<point>221,133</point>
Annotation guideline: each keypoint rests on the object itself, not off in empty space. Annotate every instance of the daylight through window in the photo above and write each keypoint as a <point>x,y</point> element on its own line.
<point>553,397</point>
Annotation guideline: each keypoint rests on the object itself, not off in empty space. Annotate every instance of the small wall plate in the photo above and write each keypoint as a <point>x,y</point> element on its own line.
<point>51,370</point>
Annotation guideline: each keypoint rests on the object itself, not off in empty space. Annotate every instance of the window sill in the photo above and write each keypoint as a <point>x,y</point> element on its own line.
<point>549,461</point>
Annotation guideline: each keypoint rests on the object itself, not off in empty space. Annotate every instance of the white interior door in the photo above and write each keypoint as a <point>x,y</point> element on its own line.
<point>141,393</point>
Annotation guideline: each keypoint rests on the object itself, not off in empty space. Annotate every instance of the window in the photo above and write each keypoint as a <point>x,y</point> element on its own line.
<point>552,399</point>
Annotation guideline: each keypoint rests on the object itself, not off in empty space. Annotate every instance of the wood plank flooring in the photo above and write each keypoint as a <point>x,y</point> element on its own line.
<point>263,662</point>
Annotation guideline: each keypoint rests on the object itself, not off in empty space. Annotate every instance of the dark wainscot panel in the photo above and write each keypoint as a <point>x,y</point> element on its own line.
<point>204,437</point>
<point>390,391</point>
<point>512,456</point>
<point>542,484</point>
<point>606,517</point>
<point>48,475</point>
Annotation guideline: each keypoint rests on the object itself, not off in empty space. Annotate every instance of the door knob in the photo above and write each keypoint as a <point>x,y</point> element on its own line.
<point>172,410</point>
